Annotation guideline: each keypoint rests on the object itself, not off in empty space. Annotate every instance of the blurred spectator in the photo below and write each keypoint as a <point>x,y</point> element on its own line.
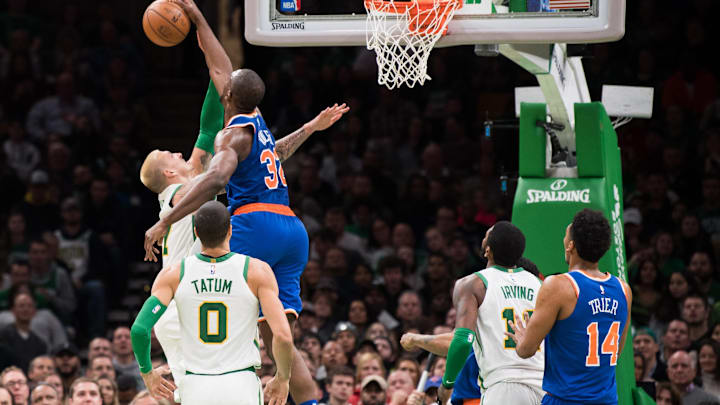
<point>45,394</point>
<point>84,391</point>
<point>68,364</point>
<point>691,238</point>
<point>681,372</point>
<point>392,270</point>
<point>127,388</point>
<point>647,286</point>
<point>358,316</point>
<point>645,343</point>
<point>702,268</point>
<point>22,155</point>
<point>696,313</point>
<point>63,114</point>
<point>40,368</point>
<point>100,365</point>
<point>346,336</point>
<point>39,209</point>
<point>399,387</point>
<point>18,335</point>
<point>676,337</point>
<point>55,381</point>
<point>99,346</point>
<point>708,355</point>
<point>15,381</point>
<point>339,385</point>
<point>51,283</point>
<point>123,358</point>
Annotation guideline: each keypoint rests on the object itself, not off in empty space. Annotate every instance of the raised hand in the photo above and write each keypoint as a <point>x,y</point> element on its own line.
<point>328,116</point>
<point>190,8</point>
<point>519,328</point>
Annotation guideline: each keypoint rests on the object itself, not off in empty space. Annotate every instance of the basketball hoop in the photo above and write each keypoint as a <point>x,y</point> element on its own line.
<point>402,34</point>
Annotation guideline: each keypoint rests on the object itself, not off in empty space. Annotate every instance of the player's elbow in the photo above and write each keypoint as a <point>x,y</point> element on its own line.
<point>524,352</point>
<point>283,337</point>
<point>216,181</point>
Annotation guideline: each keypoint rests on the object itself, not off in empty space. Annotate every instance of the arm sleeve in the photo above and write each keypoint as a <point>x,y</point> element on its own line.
<point>151,311</point>
<point>457,354</point>
<point>211,120</point>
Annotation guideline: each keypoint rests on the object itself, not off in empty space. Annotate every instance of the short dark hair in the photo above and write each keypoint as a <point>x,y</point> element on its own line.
<point>696,295</point>
<point>247,89</point>
<point>390,262</point>
<point>528,265</point>
<point>507,243</point>
<point>212,222</point>
<point>342,370</point>
<point>590,231</point>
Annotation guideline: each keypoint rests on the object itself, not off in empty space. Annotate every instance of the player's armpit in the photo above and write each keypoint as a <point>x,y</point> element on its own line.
<point>553,292</point>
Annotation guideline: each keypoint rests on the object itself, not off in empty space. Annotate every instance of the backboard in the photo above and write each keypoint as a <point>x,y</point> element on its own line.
<point>342,22</point>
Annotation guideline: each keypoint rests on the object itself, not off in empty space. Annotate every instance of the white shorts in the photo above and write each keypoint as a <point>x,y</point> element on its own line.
<point>167,330</point>
<point>239,388</point>
<point>505,393</point>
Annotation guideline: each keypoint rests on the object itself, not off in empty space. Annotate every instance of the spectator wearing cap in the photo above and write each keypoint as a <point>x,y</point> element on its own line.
<point>339,385</point>
<point>51,284</point>
<point>68,364</point>
<point>346,336</point>
<point>18,335</point>
<point>39,210</point>
<point>373,390</point>
<point>127,388</point>
<point>632,219</point>
<point>645,343</point>
<point>429,393</point>
<point>44,323</point>
<point>15,381</point>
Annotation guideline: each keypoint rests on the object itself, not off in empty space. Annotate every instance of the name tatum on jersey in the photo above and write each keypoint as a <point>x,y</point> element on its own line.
<point>207,285</point>
<point>517,292</point>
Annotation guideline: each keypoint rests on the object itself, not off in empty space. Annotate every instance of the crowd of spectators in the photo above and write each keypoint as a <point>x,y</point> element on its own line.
<point>396,200</point>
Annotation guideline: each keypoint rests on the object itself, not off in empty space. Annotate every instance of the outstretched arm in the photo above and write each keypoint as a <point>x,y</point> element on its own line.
<point>217,60</point>
<point>211,122</point>
<point>286,146</point>
<point>437,344</point>
<point>468,294</point>
<point>162,292</point>
<point>232,146</point>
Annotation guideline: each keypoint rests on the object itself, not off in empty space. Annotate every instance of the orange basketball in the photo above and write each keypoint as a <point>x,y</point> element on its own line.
<point>165,23</point>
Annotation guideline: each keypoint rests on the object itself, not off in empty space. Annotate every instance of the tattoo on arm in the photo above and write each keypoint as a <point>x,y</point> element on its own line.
<point>290,143</point>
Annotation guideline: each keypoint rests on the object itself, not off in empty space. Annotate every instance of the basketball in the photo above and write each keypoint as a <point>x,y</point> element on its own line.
<point>165,23</point>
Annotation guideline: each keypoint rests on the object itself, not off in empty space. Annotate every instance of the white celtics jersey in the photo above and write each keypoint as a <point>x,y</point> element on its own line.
<point>218,315</point>
<point>507,292</point>
<point>180,240</point>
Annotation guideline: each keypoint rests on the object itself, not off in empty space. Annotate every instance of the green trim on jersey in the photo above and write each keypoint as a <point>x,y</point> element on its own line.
<point>484,280</point>
<point>506,269</point>
<point>182,268</point>
<point>251,368</point>
<point>245,269</point>
<point>170,203</point>
<point>192,218</point>
<point>222,258</point>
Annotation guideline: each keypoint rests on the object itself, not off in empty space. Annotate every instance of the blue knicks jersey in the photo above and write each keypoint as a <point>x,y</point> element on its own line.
<point>260,177</point>
<point>581,351</point>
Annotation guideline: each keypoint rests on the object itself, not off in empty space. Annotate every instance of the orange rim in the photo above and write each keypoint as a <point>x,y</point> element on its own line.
<point>402,6</point>
<point>421,20</point>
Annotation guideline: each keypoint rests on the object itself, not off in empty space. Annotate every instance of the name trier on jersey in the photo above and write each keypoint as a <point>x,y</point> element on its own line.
<point>607,305</point>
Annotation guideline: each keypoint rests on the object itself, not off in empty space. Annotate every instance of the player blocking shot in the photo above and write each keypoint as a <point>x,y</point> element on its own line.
<point>486,302</point>
<point>248,165</point>
<point>218,294</point>
<point>166,174</point>
<point>583,318</point>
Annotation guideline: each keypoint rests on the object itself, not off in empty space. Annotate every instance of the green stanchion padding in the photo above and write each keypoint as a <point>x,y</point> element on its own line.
<point>532,140</point>
<point>543,207</point>
<point>518,6</point>
<point>640,397</point>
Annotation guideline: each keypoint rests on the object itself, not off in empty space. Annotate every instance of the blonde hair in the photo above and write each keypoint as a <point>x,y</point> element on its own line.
<point>150,173</point>
<point>367,358</point>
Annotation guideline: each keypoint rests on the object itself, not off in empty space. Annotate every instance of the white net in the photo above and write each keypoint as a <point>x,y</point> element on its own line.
<point>402,34</point>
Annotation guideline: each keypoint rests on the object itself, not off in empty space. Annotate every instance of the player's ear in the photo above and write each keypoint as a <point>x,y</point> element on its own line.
<point>195,231</point>
<point>168,172</point>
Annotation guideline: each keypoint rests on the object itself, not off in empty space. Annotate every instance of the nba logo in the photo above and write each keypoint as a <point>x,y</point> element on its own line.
<point>289,5</point>
<point>212,269</point>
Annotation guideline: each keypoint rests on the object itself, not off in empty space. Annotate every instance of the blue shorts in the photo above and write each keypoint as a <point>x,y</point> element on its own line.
<point>279,240</point>
<point>549,399</point>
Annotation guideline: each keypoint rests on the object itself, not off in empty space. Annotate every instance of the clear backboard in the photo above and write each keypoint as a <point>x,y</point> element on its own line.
<point>342,22</point>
